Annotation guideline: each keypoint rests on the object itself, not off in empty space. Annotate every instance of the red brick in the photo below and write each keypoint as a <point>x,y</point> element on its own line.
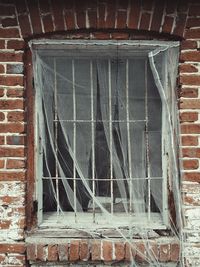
<point>11,104</point>
<point>2,163</point>
<point>194,10</point>
<point>187,44</point>
<point>188,68</point>
<point>110,18</point>
<point>16,44</point>
<point>96,250</point>
<point>15,140</point>
<point>190,56</point>
<point>193,22</point>
<point>190,103</point>
<point>130,251</point>
<point>119,251</point>
<point>74,250</point>
<point>48,23</point>
<point>5,11</point>
<point>12,176</point>
<point>15,116</point>
<point>120,36</point>
<point>63,252</point>
<point>121,19</point>
<point>157,15</point>
<point>92,18</point>
<point>180,24</point>
<point>192,34</point>
<point>107,251</point>
<point>25,25</point>
<point>70,19</point>
<point>101,18</point>
<point>31,251</point>
<point>2,116</point>
<point>5,224</point>
<point>12,127</point>
<point>2,258</point>
<point>188,116</point>
<point>10,57</point>
<point>15,93</point>
<point>1,92</point>
<point>84,250</point>
<point>12,248</point>
<point>140,252</point>
<point>134,15</point>
<point>7,200</point>
<point>101,35</point>
<point>41,253</point>
<point>164,255</point>
<point>2,44</point>
<point>7,22</point>
<point>192,177</point>
<point>9,33</point>
<point>190,164</point>
<point>11,80</point>
<point>152,252</point>
<point>11,152</point>
<point>191,152</point>
<point>145,21</point>
<point>189,140</point>
<point>2,69</point>
<point>35,16</point>
<point>15,164</point>
<point>168,24</point>
<point>57,7</point>
<point>2,140</point>
<point>52,252</point>
<point>190,80</point>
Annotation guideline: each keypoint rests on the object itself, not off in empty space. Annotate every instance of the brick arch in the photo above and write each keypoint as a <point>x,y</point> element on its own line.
<point>38,17</point>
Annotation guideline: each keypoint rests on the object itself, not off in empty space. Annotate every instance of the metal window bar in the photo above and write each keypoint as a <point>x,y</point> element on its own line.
<point>147,145</point>
<point>93,144</point>
<point>74,138</point>
<point>110,133</point>
<point>128,137</point>
<point>56,135</point>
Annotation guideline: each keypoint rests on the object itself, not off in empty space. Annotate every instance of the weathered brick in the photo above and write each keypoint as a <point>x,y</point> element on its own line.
<point>188,68</point>
<point>2,116</point>
<point>12,176</point>
<point>96,250</point>
<point>15,164</point>
<point>48,23</point>
<point>12,127</point>
<point>11,152</point>
<point>190,56</point>
<point>10,57</point>
<point>107,251</point>
<point>12,248</point>
<point>192,176</point>
<point>16,44</point>
<point>119,251</point>
<point>41,252</point>
<point>11,80</point>
<point>190,164</point>
<point>74,250</point>
<point>15,116</point>
<point>192,34</point>
<point>189,93</point>
<point>7,22</point>
<point>84,250</point>
<point>189,140</point>
<point>15,140</point>
<point>52,252</point>
<point>63,252</point>
<point>9,33</point>
<point>11,104</point>
<point>190,103</point>
<point>191,152</point>
<point>164,252</point>
<point>188,116</point>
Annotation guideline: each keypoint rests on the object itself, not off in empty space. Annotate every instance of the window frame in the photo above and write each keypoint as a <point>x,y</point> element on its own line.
<point>35,187</point>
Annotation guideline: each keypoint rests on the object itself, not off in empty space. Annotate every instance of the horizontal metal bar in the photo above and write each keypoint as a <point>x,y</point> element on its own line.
<point>125,121</point>
<point>103,179</point>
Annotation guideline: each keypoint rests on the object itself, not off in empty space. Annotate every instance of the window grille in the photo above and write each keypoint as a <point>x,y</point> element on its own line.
<point>100,133</point>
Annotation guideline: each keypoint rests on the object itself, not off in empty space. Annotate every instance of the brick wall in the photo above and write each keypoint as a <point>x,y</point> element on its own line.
<point>102,19</point>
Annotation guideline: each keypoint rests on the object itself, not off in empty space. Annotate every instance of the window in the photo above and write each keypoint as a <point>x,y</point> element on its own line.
<point>101,136</point>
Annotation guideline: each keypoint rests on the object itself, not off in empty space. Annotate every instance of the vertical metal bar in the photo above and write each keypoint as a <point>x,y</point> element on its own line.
<point>147,146</point>
<point>129,137</point>
<point>74,138</point>
<point>56,133</point>
<point>110,133</point>
<point>93,146</point>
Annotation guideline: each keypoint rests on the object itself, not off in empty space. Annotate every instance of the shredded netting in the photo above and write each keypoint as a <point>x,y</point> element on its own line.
<point>107,136</point>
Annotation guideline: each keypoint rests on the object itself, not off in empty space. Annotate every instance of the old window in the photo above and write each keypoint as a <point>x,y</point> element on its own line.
<point>102,132</point>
